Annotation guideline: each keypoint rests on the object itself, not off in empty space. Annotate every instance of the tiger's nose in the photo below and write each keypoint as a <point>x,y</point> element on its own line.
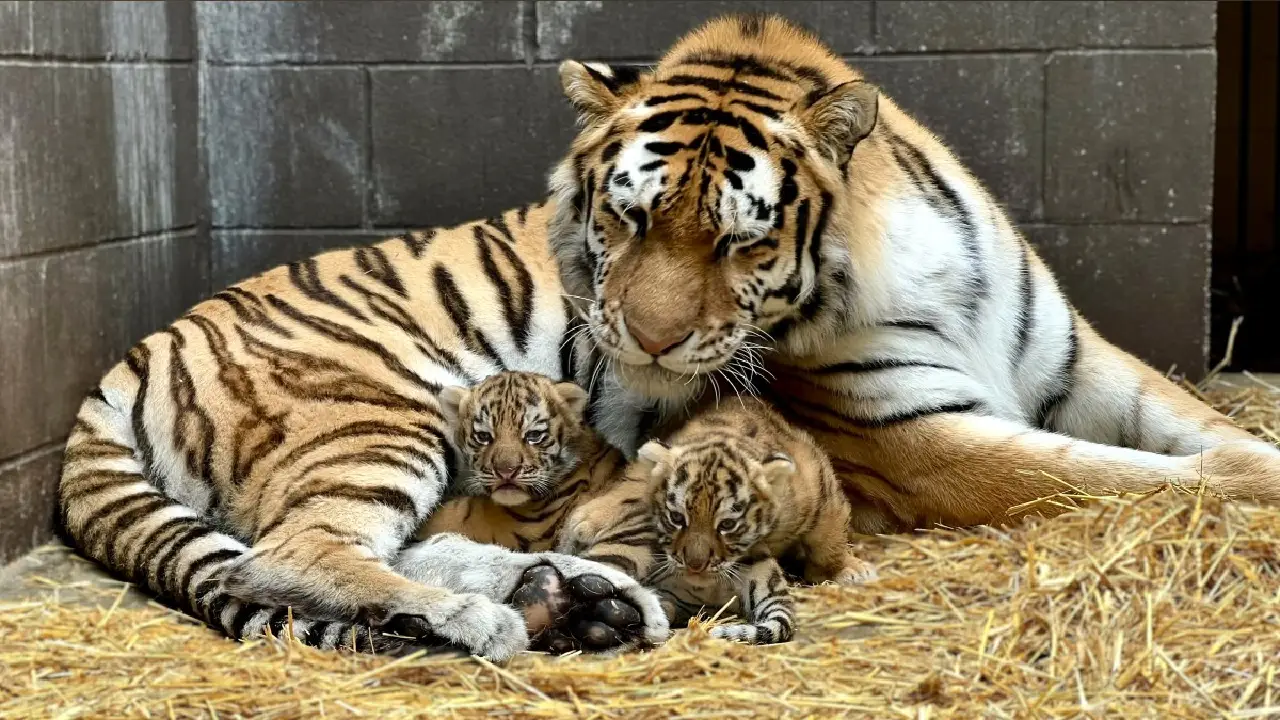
<point>506,471</point>
<point>657,343</point>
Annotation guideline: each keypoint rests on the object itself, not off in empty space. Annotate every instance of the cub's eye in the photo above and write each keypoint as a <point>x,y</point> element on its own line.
<point>480,437</point>
<point>727,526</point>
<point>675,518</point>
<point>535,437</point>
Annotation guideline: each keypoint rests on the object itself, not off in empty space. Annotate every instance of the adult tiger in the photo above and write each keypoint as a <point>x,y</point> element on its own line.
<point>277,445</point>
<point>753,188</point>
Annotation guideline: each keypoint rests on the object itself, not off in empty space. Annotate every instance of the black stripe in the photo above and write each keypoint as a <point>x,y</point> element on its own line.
<point>418,241</point>
<point>913,325</point>
<point>460,313</point>
<point>610,151</point>
<point>386,310</point>
<point>95,524</point>
<point>390,497</point>
<point>124,522</point>
<point>139,361</point>
<point>305,276</point>
<point>346,336</point>
<point>373,262</point>
<point>430,438</point>
<point>165,563</point>
<point>519,316</point>
<point>722,86</point>
<point>664,149</point>
<point>757,108</point>
<point>1063,391</point>
<point>622,563</point>
<point>918,413</point>
<point>499,223</point>
<point>877,365</point>
<point>658,122</point>
<point>154,542</point>
<point>185,591</point>
<point>814,302</point>
<point>241,618</point>
<point>673,97</point>
<point>1026,308</point>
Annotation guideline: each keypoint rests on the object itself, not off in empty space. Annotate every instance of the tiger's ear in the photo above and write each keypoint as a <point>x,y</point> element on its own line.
<point>451,398</point>
<point>653,455</point>
<point>778,467</point>
<point>597,90</point>
<point>841,119</point>
<point>574,396</point>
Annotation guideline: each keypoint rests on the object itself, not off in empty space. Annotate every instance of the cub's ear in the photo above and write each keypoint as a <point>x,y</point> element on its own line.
<point>653,455</point>
<point>597,90</point>
<point>451,398</point>
<point>574,396</point>
<point>779,467</point>
<point>841,119</point>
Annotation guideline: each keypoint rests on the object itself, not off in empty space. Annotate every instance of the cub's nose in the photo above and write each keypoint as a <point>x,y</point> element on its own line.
<point>655,342</point>
<point>506,472</point>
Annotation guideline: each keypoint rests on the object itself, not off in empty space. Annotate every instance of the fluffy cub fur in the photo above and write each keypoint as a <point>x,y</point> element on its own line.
<point>734,491</point>
<point>528,458</point>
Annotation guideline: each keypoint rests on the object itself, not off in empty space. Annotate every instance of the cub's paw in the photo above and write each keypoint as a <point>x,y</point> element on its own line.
<point>570,604</point>
<point>468,621</point>
<point>766,633</point>
<point>856,572</point>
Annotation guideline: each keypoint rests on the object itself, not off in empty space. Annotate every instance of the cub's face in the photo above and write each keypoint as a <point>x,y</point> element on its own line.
<point>712,503</point>
<point>517,433</point>
<point>699,212</point>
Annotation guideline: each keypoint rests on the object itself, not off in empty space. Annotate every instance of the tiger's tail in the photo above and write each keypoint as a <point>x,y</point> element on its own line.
<point>115,515</point>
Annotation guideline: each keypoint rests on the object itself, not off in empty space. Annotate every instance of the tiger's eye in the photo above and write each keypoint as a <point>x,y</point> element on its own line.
<point>480,437</point>
<point>535,437</point>
<point>675,518</point>
<point>727,526</point>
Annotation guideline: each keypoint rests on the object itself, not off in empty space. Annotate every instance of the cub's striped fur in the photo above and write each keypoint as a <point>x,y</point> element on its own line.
<point>277,445</point>
<point>528,458</point>
<point>754,192</point>
<point>731,493</point>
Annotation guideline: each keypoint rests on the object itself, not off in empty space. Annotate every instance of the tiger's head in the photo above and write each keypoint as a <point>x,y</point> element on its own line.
<point>713,499</point>
<point>694,206</point>
<point>519,433</point>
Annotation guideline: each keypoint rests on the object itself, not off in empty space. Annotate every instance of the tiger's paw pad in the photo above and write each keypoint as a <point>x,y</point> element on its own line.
<point>471,622</point>
<point>587,612</point>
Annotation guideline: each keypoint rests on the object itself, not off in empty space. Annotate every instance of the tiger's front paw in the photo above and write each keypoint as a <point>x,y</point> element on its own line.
<point>570,604</point>
<point>468,621</point>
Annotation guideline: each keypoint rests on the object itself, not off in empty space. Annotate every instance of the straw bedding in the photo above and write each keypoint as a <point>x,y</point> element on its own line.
<point>1159,606</point>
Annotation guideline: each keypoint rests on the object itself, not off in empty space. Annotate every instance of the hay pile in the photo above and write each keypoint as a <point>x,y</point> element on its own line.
<point>1160,606</point>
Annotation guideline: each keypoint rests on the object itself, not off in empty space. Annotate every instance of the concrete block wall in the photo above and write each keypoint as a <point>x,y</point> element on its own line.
<point>153,152</point>
<point>99,197</point>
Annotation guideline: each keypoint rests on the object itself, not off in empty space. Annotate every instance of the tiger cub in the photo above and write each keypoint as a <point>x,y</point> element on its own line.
<point>528,457</point>
<point>733,492</point>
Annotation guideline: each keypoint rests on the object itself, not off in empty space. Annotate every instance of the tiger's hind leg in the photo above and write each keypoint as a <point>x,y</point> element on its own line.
<point>767,606</point>
<point>334,511</point>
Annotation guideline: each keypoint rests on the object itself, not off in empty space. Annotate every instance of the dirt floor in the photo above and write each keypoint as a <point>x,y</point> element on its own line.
<point>1161,606</point>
